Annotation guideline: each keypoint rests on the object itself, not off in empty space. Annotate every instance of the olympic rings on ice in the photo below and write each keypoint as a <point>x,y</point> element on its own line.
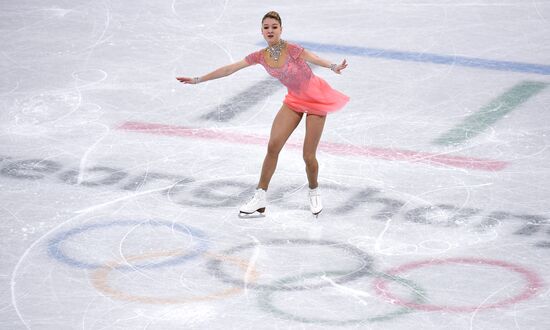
<point>100,280</point>
<point>267,304</point>
<point>267,291</point>
<point>533,284</point>
<point>55,245</point>
<point>365,268</point>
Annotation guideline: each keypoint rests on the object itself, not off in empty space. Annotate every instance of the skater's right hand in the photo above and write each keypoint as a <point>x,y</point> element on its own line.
<point>188,80</point>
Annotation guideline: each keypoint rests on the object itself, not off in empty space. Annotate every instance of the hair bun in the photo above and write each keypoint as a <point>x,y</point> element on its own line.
<point>273,14</point>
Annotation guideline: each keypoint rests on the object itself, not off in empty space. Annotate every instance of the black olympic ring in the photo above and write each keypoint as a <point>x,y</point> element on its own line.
<point>214,266</point>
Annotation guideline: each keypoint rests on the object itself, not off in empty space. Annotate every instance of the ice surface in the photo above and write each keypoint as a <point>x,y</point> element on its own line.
<point>120,186</point>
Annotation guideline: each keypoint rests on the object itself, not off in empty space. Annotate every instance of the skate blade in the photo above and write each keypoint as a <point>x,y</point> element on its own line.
<point>256,214</point>
<point>316,215</point>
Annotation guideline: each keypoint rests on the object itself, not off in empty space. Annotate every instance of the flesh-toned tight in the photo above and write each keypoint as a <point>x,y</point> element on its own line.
<point>284,124</point>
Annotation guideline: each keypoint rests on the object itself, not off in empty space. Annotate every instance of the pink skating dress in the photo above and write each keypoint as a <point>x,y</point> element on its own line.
<point>306,92</point>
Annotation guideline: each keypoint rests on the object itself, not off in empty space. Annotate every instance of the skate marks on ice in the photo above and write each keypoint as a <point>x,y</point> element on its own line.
<point>491,113</point>
<point>155,267</point>
<point>243,101</point>
<point>532,283</point>
<point>358,201</point>
<point>433,159</point>
<point>167,262</point>
<point>55,245</point>
<point>101,280</point>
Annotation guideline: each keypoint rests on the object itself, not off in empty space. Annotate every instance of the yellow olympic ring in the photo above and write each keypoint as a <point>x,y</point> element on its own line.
<point>100,276</point>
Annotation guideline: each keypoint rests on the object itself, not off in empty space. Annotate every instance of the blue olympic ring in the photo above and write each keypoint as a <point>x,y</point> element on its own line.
<point>55,244</point>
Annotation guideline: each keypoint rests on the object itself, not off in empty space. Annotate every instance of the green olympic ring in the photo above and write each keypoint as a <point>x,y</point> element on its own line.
<point>265,300</point>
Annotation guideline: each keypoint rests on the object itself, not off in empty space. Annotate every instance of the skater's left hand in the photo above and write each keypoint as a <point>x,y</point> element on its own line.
<point>340,67</point>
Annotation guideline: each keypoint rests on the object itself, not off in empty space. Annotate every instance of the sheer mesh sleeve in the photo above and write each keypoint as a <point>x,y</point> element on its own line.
<point>253,58</point>
<point>295,50</point>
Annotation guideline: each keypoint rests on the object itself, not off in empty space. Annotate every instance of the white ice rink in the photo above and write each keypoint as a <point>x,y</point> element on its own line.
<point>119,186</point>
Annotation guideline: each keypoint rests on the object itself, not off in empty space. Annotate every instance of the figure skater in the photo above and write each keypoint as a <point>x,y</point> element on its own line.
<point>307,93</point>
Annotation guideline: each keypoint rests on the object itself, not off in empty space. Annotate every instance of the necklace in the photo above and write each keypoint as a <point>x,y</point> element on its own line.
<point>275,51</point>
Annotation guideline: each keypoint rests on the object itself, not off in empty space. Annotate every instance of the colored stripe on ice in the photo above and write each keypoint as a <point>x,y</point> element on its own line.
<point>428,58</point>
<point>328,147</point>
<point>243,101</point>
<point>491,113</point>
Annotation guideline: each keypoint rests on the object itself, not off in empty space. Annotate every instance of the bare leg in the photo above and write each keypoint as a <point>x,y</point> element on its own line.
<point>284,124</point>
<point>314,129</point>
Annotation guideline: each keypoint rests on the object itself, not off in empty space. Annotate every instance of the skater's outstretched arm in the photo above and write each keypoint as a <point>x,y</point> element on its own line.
<point>313,58</point>
<point>218,73</point>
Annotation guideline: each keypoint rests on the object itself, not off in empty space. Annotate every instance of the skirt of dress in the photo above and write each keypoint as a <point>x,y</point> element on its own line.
<point>317,98</point>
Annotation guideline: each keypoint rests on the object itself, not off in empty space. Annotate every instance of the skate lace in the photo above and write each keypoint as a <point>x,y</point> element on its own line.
<point>254,199</point>
<point>313,194</point>
<point>314,198</point>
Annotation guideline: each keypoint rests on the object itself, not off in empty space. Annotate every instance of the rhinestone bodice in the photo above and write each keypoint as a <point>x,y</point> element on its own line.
<point>295,73</point>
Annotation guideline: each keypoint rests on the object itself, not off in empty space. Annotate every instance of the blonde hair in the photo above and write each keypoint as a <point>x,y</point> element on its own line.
<point>273,14</point>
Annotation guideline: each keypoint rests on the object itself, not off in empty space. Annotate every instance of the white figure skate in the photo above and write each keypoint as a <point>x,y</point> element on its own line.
<point>315,203</point>
<point>256,206</point>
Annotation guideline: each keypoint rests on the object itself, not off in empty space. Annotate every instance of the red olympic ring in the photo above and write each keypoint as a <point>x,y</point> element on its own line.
<point>534,283</point>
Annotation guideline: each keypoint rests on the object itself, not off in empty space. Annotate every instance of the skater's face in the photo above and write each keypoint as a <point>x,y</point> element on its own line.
<point>271,30</point>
